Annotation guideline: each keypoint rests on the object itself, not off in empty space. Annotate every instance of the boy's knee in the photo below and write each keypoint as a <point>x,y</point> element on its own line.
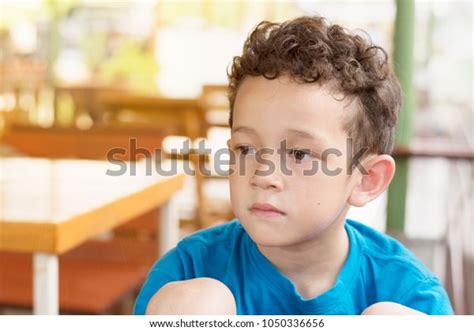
<point>198,296</point>
<point>389,308</point>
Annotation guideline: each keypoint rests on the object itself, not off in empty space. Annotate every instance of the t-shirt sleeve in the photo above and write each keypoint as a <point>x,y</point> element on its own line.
<point>168,268</point>
<point>429,297</point>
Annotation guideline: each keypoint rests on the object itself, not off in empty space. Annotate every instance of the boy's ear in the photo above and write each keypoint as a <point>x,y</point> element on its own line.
<point>379,173</point>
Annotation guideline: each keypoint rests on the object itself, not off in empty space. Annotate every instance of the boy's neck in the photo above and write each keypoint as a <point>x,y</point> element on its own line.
<point>313,266</point>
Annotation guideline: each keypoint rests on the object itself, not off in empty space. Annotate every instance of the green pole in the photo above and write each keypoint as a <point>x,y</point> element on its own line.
<point>403,60</point>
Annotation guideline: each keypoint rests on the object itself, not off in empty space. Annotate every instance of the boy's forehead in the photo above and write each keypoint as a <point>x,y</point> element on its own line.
<point>298,109</point>
<point>283,93</point>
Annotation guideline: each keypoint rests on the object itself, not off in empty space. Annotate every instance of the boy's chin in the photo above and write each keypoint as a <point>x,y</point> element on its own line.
<point>270,243</point>
<point>265,237</point>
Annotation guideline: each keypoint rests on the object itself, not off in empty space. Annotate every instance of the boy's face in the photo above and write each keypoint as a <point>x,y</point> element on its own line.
<point>288,125</point>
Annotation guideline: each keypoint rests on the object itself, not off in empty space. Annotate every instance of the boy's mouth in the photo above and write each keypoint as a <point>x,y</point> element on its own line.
<point>265,210</point>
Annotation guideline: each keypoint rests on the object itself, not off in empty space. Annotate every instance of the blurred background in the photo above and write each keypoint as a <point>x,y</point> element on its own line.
<point>79,77</point>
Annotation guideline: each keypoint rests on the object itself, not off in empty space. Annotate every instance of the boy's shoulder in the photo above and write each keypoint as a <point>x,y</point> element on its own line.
<point>391,272</point>
<point>374,247</point>
<point>385,250</point>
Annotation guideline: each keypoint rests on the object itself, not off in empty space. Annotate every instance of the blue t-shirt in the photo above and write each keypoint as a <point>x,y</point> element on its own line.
<point>377,268</point>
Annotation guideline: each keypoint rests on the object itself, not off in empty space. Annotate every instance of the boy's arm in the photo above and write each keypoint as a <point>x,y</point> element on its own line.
<point>390,308</point>
<point>425,297</point>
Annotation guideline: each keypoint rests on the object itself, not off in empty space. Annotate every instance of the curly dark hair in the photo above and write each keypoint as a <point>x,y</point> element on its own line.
<point>309,50</point>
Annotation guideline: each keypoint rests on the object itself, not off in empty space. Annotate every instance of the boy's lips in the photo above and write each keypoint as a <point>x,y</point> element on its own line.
<point>265,210</point>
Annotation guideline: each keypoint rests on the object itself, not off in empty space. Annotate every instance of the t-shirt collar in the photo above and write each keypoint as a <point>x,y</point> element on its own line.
<point>333,296</point>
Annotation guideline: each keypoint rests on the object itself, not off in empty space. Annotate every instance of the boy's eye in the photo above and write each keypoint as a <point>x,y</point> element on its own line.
<point>245,150</point>
<point>299,154</point>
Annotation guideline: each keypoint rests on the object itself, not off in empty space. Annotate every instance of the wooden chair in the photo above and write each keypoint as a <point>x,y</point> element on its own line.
<point>215,105</point>
<point>191,118</point>
<point>179,117</point>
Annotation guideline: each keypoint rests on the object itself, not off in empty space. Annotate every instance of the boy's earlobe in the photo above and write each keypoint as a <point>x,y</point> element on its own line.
<point>380,170</point>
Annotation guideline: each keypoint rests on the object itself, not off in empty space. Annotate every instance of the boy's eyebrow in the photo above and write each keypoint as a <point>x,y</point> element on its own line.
<point>295,132</point>
<point>243,129</point>
<point>306,135</point>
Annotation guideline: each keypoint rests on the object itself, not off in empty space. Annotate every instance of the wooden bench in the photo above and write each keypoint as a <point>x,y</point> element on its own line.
<point>93,278</point>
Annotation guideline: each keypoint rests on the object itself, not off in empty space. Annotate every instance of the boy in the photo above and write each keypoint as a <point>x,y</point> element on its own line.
<point>313,114</point>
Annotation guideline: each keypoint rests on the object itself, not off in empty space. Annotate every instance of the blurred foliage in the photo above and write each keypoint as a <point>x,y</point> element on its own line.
<point>59,8</point>
<point>133,65</point>
<point>219,13</point>
<point>65,111</point>
<point>94,48</point>
<point>12,12</point>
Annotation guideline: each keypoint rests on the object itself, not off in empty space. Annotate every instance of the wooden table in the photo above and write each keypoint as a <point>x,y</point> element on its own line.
<point>48,207</point>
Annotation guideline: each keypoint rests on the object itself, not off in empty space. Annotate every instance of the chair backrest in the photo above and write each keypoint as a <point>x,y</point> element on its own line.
<point>215,104</point>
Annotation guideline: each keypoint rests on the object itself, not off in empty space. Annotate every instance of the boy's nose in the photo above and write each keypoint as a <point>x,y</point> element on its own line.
<point>265,177</point>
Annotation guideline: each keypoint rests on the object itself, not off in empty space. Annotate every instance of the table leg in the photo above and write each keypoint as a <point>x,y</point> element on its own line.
<point>168,226</point>
<point>45,284</point>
